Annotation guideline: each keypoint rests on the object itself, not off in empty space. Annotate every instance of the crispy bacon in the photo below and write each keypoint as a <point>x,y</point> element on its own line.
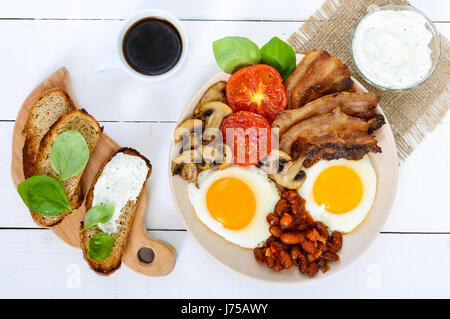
<point>331,136</point>
<point>360,104</point>
<point>318,74</point>
<point>376,122</point>
<point>333,151</point>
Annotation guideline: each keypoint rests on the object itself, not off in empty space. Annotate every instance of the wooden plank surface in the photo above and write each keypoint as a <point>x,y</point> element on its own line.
<point>395,266</point>
<point>281,10</point>
<point>410,258</point>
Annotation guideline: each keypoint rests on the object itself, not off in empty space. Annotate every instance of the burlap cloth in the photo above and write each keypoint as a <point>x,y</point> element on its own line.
<point>411,114</point>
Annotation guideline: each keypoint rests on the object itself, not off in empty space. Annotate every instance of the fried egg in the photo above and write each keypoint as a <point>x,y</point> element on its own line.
<point>234,203</point>
<point>340,193</point>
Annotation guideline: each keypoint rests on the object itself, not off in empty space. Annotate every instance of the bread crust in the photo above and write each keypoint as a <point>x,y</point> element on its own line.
<point>72,186</point>
<point>113,262</point>
<point>32,138</point>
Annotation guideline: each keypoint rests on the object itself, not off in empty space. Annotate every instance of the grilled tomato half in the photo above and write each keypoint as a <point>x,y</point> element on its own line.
<point>259,89</point>
<point>248,135</point>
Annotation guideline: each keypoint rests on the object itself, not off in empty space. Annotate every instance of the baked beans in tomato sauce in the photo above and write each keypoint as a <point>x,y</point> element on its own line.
<point>296,239</point>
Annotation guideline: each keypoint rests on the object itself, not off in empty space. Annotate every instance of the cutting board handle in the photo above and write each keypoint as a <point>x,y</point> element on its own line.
<point>145,254</point>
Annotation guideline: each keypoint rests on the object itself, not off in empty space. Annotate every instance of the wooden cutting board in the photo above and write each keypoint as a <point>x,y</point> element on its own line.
<point>68,230</point>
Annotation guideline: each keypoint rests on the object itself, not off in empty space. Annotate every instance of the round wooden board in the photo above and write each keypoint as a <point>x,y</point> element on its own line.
<point>354,243</point>
<point>68,229</point>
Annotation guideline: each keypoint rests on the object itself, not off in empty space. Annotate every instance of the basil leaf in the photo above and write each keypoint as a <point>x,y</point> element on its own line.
<point>234,53</point>
<point>69,154</point>
<point>279,55</point>
<point>100,246</point>
<point>98,214</point>
<point>44,195</point>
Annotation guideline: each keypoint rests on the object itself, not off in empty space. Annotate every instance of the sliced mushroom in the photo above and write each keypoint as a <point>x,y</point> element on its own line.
<point>189,132</point>
<point>274,162</point>
<point>227,156</point>
<point>291,175</point>
<point>203,166</point>
<point>213,114</point>
<point>185,165</point>
<point>215,92</point>
<point>283,170</point>
<point>218,156</point>
<point>193,141</point>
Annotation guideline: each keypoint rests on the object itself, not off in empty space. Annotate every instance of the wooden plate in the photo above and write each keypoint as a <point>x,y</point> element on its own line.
<point>68,229</point>
<point>354,243</point>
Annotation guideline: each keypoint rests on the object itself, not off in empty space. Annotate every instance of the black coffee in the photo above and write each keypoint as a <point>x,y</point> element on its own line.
<point>152,46</point>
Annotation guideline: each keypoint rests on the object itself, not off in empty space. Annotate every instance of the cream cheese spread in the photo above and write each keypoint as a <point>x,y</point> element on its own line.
<point>391,48</point>
<point>120,181</point>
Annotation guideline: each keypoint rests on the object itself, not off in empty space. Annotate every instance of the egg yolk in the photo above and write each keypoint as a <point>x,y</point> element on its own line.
<point>231,202</point>
<point>338,189</point>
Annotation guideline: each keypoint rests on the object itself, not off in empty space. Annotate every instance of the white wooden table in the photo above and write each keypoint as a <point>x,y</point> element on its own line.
<point>410,258</point>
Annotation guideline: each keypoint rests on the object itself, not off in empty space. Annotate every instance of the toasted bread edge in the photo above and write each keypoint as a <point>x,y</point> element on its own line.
<point>99,267</point>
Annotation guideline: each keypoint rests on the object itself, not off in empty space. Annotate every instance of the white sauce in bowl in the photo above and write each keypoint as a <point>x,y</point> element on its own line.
<point>391,48</point>
<point>120,181</point>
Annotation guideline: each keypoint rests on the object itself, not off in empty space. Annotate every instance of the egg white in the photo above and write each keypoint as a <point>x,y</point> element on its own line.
<point>345,222</point>
<point>266,196</point>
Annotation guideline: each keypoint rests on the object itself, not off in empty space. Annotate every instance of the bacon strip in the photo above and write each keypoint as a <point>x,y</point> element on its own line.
<point>333,151</point>
<point>318,74</point>
<point>360,104</point>
<point>331,136</point>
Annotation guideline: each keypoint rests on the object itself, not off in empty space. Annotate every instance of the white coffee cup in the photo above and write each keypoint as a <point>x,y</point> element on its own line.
<point>118,61</point>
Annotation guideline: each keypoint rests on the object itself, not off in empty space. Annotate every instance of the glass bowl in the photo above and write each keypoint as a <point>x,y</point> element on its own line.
<point>434,45</point>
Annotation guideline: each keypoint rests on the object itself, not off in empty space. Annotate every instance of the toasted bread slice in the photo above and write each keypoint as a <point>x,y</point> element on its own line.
<point>82,122</point>
<point>113,262</point>
<point>51,105</point>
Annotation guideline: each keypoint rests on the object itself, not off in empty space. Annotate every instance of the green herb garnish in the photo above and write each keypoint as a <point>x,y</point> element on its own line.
<point>69,154</point>
<point>279,55</point>
<point>68,157</point>
<point>43,194</point>
<point>100,246</point>
<point>98,214</point>
<point>234,53</point>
